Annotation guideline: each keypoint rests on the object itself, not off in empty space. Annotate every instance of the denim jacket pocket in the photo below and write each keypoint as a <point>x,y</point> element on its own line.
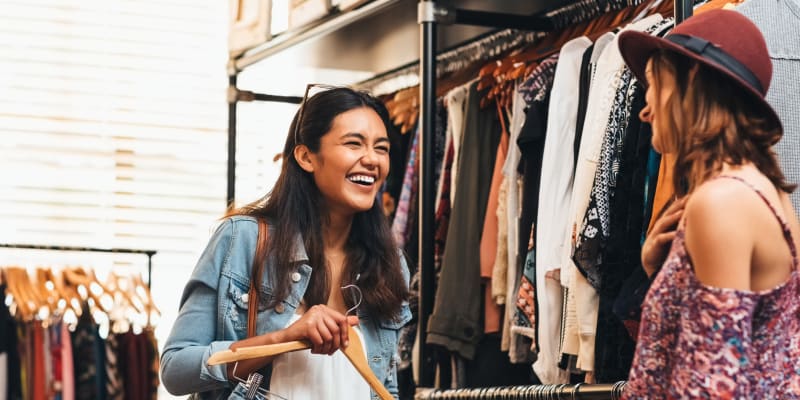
<point>240,303</point>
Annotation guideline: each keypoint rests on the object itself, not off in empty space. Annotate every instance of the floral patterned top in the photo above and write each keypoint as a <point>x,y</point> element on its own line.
<point>698,341</point>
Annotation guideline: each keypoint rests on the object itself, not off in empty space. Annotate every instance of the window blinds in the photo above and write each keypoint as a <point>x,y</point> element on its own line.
<point>112,117</point>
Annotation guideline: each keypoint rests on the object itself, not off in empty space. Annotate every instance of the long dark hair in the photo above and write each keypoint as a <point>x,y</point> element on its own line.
<point>294,207</point>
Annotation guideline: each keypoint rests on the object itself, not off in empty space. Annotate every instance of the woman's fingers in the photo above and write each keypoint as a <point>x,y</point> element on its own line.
<point>665,239</point>
<point>335,339</point>
<point>327,329</point>
<point>668,221</point>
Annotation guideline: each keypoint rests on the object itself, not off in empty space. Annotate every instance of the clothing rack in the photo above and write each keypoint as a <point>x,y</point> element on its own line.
<point>430,15</point>
<point>534,392</point>
<point>149,253</point>
<point>454,58</point>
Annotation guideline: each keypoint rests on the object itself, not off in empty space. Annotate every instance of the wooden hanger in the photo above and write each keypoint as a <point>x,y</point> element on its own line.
<point>354,352</point>
<point>123,291</point>
<point>25,296</point>
<point>51,294</point>
<point>149,305</point>
<point>76,277</point>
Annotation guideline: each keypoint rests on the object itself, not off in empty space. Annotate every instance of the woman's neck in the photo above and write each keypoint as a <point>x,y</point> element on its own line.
<point>335,232</point>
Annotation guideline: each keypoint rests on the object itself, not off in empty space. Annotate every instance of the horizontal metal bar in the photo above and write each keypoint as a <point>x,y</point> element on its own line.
<point>236,95</point>
<point>604,391</point>
<point>291,38</point>
<point>82,249</point>
<point>275,98</point>
<point>501,20</point>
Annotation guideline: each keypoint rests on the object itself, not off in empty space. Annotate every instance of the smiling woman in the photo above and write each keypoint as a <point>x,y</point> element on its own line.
<point>355,151</point>
<point>325,231</point>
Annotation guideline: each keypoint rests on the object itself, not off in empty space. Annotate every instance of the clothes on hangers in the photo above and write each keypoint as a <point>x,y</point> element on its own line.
<point>779,22</point>
<point>599,113</point>
<point>455,322</point>
<point>400,221</point>
<point>531,115</point>
<point>47,361</point>
<point>555,191</point>
<point>488,240</point>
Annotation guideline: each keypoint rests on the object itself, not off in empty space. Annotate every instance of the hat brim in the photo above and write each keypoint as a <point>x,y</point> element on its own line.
<point>637,48</point>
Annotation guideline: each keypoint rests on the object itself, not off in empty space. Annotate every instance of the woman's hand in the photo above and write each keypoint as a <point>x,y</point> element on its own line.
<point>658,241</point>
<point>324,327</point>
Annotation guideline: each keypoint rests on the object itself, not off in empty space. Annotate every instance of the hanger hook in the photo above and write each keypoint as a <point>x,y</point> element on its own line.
<point>356,291</point>
<point>253,386</point>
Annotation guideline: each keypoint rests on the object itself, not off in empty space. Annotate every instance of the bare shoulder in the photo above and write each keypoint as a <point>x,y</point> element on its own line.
<point>720,201</point>
<point>718,214</point>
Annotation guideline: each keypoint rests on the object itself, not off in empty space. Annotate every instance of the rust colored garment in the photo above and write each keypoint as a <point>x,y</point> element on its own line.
<point>492,310</point>
<point>664,190</point>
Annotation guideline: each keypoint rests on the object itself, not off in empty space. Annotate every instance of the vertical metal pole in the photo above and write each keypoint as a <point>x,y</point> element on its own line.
<point>683,10</point>
<point>149,269</point>
<point>232,100</point>
<point>427,192</point>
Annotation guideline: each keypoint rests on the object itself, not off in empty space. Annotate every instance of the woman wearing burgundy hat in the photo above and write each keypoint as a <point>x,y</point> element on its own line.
<point>722,317</point>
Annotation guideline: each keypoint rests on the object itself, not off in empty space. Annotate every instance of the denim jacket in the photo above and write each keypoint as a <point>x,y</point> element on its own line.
<point>213,315</point>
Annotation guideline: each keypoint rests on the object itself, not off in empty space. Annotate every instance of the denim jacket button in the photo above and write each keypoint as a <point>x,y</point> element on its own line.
<point>245,297</point>
<point>296,277</point>
<point>279,308</point>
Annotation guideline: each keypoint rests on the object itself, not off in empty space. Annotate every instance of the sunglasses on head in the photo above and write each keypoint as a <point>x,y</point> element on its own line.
<point>301,112</point>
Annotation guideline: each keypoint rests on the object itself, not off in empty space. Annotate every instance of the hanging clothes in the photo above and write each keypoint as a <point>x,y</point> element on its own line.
<point>9,351</point>
<point>614,346</point>
<point>599,113</point>
<point>488,240</point>
<point>535,98</point>
<point>779,22</point>
<point>400,222</point>
<point>457,105</point>
<point>555,191</point>
<point>67,365</point>
<point>456,319</point>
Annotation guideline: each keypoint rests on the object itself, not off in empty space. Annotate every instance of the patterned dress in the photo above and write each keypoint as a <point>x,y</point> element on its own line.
<point>697,341</point>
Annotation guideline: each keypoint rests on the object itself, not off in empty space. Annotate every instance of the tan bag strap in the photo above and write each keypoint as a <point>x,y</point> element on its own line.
<point>255,280</point>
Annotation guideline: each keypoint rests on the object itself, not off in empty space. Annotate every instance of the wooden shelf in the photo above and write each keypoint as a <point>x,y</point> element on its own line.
<point>317,29</point>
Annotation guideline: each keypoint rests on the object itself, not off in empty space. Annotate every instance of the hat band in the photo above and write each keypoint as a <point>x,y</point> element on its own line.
<point>710,52</point>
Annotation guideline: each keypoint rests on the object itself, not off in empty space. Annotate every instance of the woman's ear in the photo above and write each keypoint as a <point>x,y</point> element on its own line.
<point>303,156</point>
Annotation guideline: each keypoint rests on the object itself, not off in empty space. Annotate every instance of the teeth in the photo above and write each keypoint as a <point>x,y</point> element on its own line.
<point>362,178</point>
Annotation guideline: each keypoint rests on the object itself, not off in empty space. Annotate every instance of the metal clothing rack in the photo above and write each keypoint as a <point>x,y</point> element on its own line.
<point>149,253</point>
<point>534,392</point>
<point>430,15</point>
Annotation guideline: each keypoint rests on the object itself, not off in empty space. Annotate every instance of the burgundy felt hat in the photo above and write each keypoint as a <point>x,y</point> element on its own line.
<point>724,40</point>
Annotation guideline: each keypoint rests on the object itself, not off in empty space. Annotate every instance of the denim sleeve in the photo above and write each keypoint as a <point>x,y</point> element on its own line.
<point>193,337</point>
<point>391,383</point>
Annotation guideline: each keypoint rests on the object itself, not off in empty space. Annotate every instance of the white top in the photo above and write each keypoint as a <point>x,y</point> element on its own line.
<point>554,196</point>
<point>457,100</point>
<point>300,375</point>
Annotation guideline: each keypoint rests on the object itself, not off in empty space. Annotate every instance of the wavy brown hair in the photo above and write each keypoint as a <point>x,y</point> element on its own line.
<point>710,120</point>
<point>295,208</point>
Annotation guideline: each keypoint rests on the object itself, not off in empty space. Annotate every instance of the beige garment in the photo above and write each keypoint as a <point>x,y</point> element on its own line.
<point>500,268</point>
